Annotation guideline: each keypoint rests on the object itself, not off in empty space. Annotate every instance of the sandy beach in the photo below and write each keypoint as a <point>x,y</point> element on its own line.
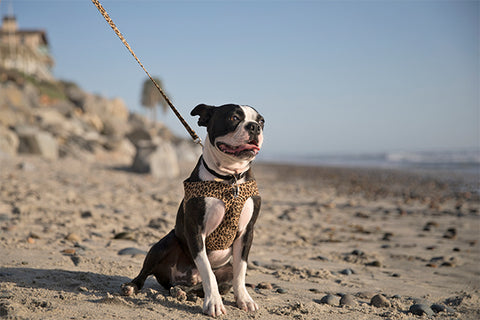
<point>330,243</point>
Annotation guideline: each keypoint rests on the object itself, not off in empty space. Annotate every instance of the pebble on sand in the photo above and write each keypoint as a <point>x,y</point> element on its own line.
<point>421,309</point>
<point>73,237</point>
<point>380,301</point>
<point>330,299</point>
<point>264,285</point>
<point>348,300</point>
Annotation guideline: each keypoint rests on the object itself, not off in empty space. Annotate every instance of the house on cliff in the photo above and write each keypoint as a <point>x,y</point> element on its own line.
<point>25,50</point>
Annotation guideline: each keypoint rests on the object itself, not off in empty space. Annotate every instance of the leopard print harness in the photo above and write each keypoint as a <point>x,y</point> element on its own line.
<point>233,197</point>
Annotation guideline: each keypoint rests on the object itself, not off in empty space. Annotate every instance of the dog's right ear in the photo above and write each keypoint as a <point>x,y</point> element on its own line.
<point>205,112</point>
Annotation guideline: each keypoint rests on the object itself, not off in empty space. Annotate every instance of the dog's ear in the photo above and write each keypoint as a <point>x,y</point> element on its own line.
<point>205,112</point>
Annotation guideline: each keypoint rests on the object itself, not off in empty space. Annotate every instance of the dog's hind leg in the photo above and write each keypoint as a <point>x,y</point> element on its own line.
<point>153,264</point>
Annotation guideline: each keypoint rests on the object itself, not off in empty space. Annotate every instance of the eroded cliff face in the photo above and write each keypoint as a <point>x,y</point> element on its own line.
<point>56,119</point>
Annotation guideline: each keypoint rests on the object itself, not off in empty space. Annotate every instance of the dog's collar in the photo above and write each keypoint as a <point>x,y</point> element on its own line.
<point>231,177</point>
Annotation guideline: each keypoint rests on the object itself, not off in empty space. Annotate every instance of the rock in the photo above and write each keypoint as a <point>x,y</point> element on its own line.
<point>188,152</point>
<point>421,309</point>
<point>131,251</point>
<point>451,233</point>
<point>348,300</point>
<point>330,299</point>
<point>347,272</point>
<point>375,263</point>
<point>380,301</point>
<point>8,141</point>
<point>357,252</point>
<point>387,236</point>
<point>34,141</point>
<point>430,225</point>
<point>158,160</point>
<point>124,236</point>
<point>139,134</point>
<point>76,260</point>
<point>264,285</point>
<point>281,291</point>
<point>73,237</point>
<point>439,308</point>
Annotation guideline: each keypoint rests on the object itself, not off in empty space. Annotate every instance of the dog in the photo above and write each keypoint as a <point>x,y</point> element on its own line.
<point>213,233</point>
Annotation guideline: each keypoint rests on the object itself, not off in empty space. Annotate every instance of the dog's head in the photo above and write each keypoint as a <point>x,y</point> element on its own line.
<point>234,131</point>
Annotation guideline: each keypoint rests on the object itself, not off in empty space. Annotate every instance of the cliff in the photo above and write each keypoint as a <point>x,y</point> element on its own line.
<point>58,119</point>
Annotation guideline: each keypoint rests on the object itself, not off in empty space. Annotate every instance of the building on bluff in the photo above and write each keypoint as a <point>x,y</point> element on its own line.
<point>25,50</point>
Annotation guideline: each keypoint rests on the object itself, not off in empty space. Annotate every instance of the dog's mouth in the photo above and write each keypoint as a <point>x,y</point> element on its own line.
<point>249,149</point>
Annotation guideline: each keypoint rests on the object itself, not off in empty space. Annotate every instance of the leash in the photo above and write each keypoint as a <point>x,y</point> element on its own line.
<point>109,20</point>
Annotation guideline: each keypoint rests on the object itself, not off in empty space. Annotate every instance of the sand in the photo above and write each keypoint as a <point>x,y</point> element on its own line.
<point>345,234</point>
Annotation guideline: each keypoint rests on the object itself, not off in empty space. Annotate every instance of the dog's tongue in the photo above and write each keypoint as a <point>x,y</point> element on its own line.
<point>247,146</point>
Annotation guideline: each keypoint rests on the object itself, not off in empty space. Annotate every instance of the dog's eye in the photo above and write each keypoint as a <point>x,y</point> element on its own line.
<point>261,122</point>
<point>234,118</point>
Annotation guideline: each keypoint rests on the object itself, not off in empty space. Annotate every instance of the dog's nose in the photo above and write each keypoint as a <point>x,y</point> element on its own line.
<point>253,128</point>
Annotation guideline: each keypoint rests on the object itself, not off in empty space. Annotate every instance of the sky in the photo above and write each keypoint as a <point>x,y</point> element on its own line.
<point>330,77</point>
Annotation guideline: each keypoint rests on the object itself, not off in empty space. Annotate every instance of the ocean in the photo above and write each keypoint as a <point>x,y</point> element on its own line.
<point>464,165</point>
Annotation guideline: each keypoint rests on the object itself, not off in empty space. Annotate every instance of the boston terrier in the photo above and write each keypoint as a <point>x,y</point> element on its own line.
<point>213,233</point>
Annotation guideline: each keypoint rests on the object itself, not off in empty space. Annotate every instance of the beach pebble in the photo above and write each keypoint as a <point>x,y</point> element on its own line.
<point>131,251</point>
<point>330,299</point>
<point>420,309</point>
<point>347,272</point>
<point>86,214</point>
<point>430,225</point>
<point>348,300</point>
<point>380,301</point>
<point>73,237</point>
<point>451,233</point>
<point>357,252</point>
<point>264,285</point>
<point>375,263</point>
<point>76,260</point>
<point>436,307</point>
<point>387,236</point>
<point>281,291</point>
<point>68,251</point>
<point>124,236</point>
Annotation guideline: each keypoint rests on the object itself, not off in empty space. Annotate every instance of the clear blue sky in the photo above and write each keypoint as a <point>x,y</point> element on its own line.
<point>347,76</point>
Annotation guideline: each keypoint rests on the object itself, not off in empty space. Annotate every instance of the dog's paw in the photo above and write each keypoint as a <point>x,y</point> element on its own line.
<point>246,303</point>
<point>129,289</point>
<point>213,306</point>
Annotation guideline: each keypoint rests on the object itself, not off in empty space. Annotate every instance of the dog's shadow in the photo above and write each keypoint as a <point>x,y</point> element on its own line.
<point>96,287</point>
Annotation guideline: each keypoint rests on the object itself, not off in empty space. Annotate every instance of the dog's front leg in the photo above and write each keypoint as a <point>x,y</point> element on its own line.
<point>241,249</point>
<point>195,235</point>
<point>212,304</point>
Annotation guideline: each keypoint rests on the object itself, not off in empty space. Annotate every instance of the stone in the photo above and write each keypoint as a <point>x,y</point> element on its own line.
<point>34,141</point>
<point>8,141</point>
<point>347,272</point>
<point>158,160</point>
<point>380,301</point>
<point>348,300</point>
<point>131,252</point>
<point>330,299</point>
<point>421,309</point>
<point>73,237</point>
<point>264,285</point>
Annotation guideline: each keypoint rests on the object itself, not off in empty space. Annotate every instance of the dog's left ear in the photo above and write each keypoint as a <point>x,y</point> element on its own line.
<point>205,112</point>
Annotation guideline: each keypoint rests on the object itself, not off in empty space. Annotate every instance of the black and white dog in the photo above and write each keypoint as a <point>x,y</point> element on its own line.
<point>214,225</point>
